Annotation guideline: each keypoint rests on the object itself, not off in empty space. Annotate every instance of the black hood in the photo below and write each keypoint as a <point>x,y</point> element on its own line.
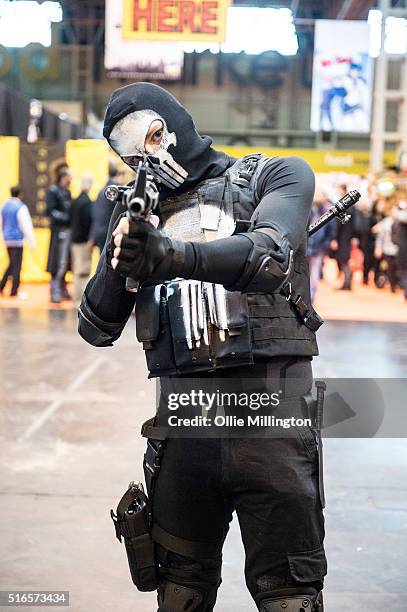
<point>192,151</point>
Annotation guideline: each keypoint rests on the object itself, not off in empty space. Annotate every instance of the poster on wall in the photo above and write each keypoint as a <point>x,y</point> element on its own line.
<point>342,77</point>
<point>138,59</point>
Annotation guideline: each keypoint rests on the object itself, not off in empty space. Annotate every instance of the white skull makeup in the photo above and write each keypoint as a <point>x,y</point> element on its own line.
<point>128,139</point>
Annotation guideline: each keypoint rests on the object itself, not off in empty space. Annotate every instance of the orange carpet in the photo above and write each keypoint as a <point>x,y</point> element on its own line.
<point>32,296</point>
<point>361,304</point>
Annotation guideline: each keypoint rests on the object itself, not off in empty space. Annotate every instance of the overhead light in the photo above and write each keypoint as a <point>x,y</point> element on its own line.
<point>395,41</point>
<point>254,30</point>
<point>26,21</point>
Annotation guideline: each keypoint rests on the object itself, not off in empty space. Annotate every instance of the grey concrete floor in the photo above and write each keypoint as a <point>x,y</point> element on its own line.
<point>70,420</point>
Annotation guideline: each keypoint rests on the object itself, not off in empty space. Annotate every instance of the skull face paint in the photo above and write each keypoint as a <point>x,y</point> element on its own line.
<point>128,139</point>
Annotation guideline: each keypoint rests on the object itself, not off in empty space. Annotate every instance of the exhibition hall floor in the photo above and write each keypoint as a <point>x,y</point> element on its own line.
<point>70,443</point>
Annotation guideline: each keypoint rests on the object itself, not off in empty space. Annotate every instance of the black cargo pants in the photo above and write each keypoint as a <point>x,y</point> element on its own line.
<point>268,476</point>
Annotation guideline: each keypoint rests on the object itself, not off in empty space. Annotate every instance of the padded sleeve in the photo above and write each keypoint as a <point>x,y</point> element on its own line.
<point>106,304</point>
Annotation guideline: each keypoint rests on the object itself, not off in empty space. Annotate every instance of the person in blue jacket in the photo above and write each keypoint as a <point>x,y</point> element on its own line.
<point>16,226</point>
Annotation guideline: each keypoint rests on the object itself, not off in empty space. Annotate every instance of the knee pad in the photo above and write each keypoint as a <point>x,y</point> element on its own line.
<point>177,598</point>
<point>187,585</point>
<point>292,600</point>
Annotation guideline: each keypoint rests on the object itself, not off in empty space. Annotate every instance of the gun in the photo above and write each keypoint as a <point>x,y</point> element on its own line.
<point>339,210</point>
<point>140,198</point>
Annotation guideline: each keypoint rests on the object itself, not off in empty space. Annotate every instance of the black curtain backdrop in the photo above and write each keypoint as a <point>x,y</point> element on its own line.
<point>15,118</point>
<point>14,113</point>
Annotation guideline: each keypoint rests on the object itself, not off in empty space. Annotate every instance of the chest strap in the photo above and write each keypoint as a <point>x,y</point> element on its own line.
<point>307,314</point>
<point>213,199</point>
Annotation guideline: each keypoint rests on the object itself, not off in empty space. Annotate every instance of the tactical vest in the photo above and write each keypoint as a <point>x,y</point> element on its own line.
<point>187,326</point>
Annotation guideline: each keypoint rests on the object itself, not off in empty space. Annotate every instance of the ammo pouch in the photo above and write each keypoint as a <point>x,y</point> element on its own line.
<point>153,329</point>
<point>131,522</point>
<point>189,326</point>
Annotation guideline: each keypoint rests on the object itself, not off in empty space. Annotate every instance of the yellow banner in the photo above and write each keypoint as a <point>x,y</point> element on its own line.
<point>175,20</point>
<point>334,160</point>
<point>9,167</point>
<point>88,156</point>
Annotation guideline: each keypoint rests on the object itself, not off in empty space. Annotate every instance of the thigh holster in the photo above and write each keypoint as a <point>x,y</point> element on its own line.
<point>131,523</point>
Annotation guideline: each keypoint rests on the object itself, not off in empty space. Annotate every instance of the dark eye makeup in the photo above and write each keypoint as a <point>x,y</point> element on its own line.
<point>157,135</point>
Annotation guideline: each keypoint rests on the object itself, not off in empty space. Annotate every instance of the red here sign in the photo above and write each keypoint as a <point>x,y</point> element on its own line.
<point>175,20</point>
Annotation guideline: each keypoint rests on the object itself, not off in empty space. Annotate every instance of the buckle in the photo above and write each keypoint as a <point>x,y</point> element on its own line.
<point>149,468</point>
<point>298,301</point>
<point>312,320</point>
<point>290,263</point>
<point>116,525</point>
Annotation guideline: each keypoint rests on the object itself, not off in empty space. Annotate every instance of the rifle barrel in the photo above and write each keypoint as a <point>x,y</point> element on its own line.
<point>337,210</point>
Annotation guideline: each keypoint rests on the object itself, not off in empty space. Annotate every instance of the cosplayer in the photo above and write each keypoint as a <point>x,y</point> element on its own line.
<point>224,294</point>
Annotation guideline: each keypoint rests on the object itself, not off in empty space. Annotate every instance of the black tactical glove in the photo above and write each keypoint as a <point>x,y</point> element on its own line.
<point>145,253</point>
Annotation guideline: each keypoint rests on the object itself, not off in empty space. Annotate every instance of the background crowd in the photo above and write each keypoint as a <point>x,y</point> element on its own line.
<point>76,224</point>
<point>373,241</point>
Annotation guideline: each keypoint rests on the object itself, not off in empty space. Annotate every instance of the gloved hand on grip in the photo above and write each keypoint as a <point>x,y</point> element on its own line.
<point>142,252</point>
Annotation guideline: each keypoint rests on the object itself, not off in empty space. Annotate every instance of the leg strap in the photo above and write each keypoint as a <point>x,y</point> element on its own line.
<point>295,601</point>
<point>195,550</point>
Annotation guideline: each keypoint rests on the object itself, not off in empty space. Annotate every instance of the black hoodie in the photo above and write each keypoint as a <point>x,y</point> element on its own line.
<point>192,151</point>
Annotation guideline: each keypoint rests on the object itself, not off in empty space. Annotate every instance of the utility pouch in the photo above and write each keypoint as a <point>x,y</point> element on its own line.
<point>189,326</point>
<point>131,522</point>
<point>190,346</point>
<point>233,347</point>
<point>153,329</point>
